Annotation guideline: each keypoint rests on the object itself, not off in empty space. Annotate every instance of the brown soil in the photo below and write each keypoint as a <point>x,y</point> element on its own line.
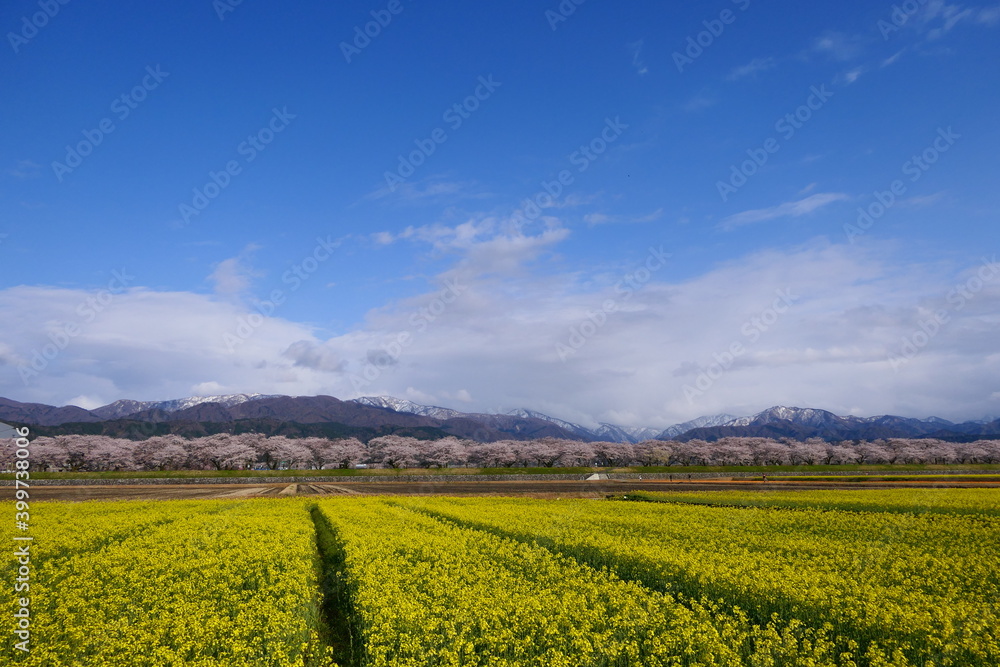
<point>543,489</point>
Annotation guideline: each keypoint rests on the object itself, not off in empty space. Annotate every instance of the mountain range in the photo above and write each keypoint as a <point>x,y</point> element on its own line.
<point>380,415</point>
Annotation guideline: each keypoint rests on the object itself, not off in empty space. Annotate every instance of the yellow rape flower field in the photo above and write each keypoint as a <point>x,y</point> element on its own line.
<point>815,578</point>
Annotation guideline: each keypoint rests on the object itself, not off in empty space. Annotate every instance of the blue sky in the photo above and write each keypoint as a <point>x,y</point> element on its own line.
<point>307,270</point>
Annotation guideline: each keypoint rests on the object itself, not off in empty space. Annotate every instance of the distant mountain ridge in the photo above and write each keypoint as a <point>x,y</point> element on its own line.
<point>403,405</point>
<point>378,413</point>
<point>125,408</point>
<point>185,414</point>
<point>700,422</point>
<point>605,432</point>
<point>803,423</point>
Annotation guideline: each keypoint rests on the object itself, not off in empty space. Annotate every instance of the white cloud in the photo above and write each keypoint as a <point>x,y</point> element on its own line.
<point>443,237</point>
<point>752,68</point>
<point>142,344</point>
<point>26,169</point>
<point>418,396</point>
<point>853,75</point>
<point>894,58</point>
<point>635,48</point>
<point>485,244</point>
<point>922,201</point>
<point>938,18</point>
<point>839,46</point>
<point>989,16</point>
<point>574,199</point>
<point>430,189</point>
<point>699,102</point>
<point>233,277</point>
<point>650,217</point>
<point>594,219</point>
<point>86,402</point>
<point>599,218</point>
<point>460,396</point>
<point>494,346</point>
<point>208,389</point>
<point>793,209</point>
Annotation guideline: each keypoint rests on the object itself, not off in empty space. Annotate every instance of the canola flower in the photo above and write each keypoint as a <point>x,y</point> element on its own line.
<point>427,592</point>
<point>897,589</point>
<point>809,579</point>
<point>196,583</point>
<point>984,502</point>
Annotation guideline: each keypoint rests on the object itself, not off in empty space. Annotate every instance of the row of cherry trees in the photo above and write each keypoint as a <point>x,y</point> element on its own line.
<point>239,452</point>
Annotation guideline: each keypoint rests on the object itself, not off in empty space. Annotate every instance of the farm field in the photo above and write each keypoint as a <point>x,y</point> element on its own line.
<point>913,500</point>
<point>899,577</point>
<point>818,470</point>
<point>458,486</point>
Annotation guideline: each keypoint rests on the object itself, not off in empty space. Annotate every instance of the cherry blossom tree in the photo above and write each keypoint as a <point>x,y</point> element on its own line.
<point>162,452</point>
<point>841,453</point>
<point>873,453</point>
<point>443,453</point>
<point>810,452</point>
<point>345,452</point>
<point>608,454</point>
<point>46,454</point>
<point>394,451</point>
<point>731,452</point>
<point>656,452</point>
<point>499,454</point>
<point>111,454</point>
<point>234,452</point>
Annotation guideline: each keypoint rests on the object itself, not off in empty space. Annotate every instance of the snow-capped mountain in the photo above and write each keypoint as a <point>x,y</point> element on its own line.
<point>606,432</point>
<point>801,423</point>
<point>403,405</point>
<point>582,431</point>
<point>124,408</point>
<point>824,418</point>
<point>806,416</point>
<point>385,412</point>
<point>700,422</point>
<point>633,434</point>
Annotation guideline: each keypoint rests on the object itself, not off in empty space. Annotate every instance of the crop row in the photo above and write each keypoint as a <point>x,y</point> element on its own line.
<point>403,582</point>
<point>197,583</point>
<point>972,502</point>
<point>427,592</point>
<point>910,590</point>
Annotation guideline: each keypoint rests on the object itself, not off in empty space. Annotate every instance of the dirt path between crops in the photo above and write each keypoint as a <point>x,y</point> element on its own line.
<point>538,489</point>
